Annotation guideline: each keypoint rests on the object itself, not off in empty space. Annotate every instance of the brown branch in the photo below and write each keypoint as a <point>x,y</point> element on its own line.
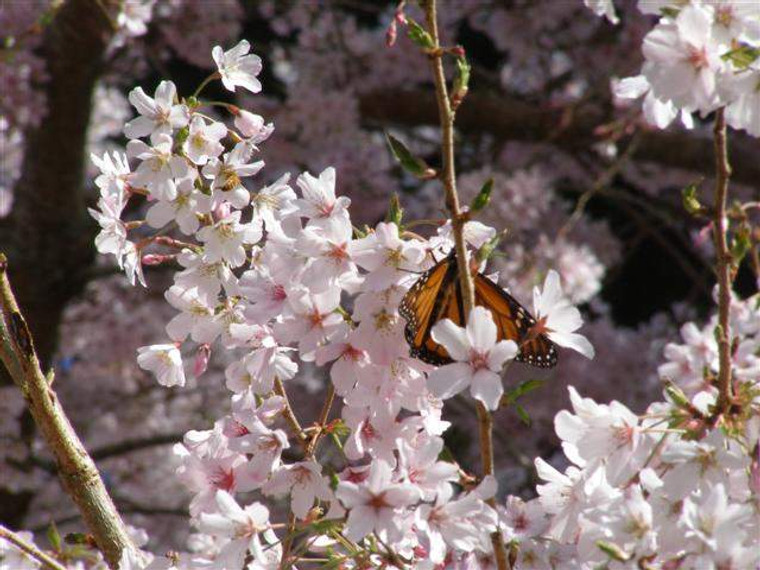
<point>446,117</point>
<point>30,549</point>
<point>76,468</point>
<point>508,118</point>
<point>722,263</point>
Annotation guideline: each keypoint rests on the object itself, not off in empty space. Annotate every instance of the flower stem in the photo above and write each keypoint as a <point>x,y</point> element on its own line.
<point>30,549</point>
<point>723,263</point>
<point>448,176</point>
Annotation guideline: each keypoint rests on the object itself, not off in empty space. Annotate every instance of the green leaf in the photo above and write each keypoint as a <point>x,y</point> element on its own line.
<point>522,389</point>
<point>669,12</point>
<point>54,537</point>
<point>743,56</point>
<point>740,244</point>
<point>677,396</point>
<point>419,35</point>
<point>483,198</point>
<point>395,211</point>
<point>461,82</point>
<point>523,415</point>
<point>412,164</point>
<point>689,197</point>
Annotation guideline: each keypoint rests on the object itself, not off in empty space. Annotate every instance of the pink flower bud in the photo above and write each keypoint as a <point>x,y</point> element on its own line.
<point>201,359</point>
<point>390,34</point>
<point>400,17</point>
<point>249,124</point>
<point>458,51</point>
<point>153,259</point>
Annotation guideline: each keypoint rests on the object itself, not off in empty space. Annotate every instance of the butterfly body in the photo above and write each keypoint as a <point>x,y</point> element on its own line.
<point>437,295</point>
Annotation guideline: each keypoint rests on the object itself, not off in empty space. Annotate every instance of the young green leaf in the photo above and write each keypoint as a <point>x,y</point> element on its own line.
<point>483,198</point>
<point>412,164</point>
<point>419,35</point>
<point>523,415</point>
<point>395,211</point>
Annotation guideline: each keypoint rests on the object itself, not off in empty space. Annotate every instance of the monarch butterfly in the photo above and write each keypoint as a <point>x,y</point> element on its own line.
<point>437,295</point>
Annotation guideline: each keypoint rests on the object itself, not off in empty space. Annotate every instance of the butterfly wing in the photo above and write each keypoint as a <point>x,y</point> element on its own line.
<point>513,322</point>
<point>431,298</point>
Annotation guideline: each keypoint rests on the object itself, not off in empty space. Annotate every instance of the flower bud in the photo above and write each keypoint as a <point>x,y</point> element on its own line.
<point>201,359</point>
<point>249,124</point>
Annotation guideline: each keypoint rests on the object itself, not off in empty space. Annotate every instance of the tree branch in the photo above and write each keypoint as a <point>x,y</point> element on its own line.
<point>76,468</point>
<point>30,549</point>
<point>446,117</point>
<point>722,263</point>
<point>509,118</point>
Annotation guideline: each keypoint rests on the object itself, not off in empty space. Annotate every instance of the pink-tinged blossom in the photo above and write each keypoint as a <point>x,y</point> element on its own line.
<point>165,361</point>
<point>684,60</point>
<point>657,112</point>
<point>742,89</point>
<point>304,482</point>
<point>714,520</point>
<point>258,369</point>
<point>349,363</point>
<point>463,524</point>
<point>113,178</point>
<point>207,278</point>
<point>159,115</point>
<point>112,238</point>
<point>252,126</point>
<point>227,173</point>
<point>373,434</point>
<point>478,357</point>
<point>386,257</point>
<point>520,520</point>
<point>311,320</point>
<point>319,203</point>
<point>330,263</point>
<point>202,141</point>
<point>565,496</point>
<point>183,209</point>
<point>692,463</point>
<point>375,503</point>
<point>421,467</point>
<point>225,240</point>
<point>237,67</point>
<point>558,318</point>
<point>381,330</point>
<point>196,318</point>
<point>241,526</point>
<point>205,474</point>
<point>274,202</point>
<point>608,433</point>
<point>134,16</point>
<point>159,167</point>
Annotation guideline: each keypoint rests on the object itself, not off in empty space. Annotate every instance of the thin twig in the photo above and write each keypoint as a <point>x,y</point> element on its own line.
<point>722,263</point>
<point>30,549</point>
<point>288,413</point>
<point>77,470</point>
<point>458,220</point>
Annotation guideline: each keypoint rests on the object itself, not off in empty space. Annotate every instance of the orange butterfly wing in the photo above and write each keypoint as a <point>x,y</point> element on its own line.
<point>430,299</point>
<point>437,295</point>
<point>513,322</point>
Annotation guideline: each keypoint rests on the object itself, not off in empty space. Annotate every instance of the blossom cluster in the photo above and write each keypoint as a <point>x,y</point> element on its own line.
<point>701,55</point>
<point>284,278</point>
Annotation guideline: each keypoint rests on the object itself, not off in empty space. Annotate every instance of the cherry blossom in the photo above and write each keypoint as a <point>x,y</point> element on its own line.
<point>165,361</point>
<point>158,116</point>
<point>373,503</point>
<point>479,358</point>
<point>237,67</point>
<point>557,318</point>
